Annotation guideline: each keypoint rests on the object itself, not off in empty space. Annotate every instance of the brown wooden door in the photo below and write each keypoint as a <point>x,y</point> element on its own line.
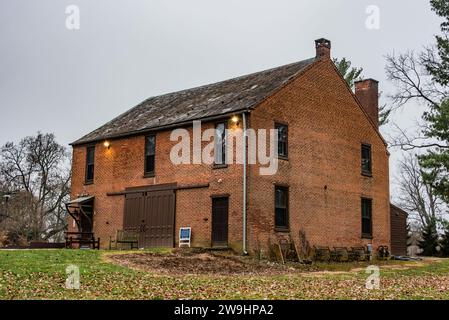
<point>134,209</point>
<point>86,216</point>
<point>159,219</point>
<point>220,207</point>
<point>153,215</point>
<point>86,222</point>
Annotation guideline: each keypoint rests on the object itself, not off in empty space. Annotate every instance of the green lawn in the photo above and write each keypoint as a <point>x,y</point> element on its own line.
<point>40,274</point>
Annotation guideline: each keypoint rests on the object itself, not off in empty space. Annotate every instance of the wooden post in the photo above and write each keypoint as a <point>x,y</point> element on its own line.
<point>280,253</point>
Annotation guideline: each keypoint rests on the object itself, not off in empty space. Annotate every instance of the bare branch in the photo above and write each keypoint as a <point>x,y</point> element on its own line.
<point>416,196</point>
<point>406,71</point>
<point>408,142</point>
<point>37,170</point>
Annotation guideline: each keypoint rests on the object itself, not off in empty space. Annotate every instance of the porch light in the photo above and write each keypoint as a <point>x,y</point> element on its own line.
<point>107,144</point>
<point>235,119</point>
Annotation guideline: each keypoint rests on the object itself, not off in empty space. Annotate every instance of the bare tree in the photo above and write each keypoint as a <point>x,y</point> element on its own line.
<point>413,81</point>
<point>410,74</point>
<point>416,195</point>
<point>36,174</point>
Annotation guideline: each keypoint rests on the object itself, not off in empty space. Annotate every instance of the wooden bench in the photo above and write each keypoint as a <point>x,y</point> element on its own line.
<point>322,253</point>
<point>81,239</point>
<point>359,254</point>
<point>127,237</point>
<point>340,254</point>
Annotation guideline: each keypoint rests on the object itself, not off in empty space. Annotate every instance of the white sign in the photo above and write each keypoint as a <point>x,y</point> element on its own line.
<point>185,234</point>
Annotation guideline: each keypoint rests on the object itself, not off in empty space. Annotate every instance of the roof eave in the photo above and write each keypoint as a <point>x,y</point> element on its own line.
<point>161,128</point>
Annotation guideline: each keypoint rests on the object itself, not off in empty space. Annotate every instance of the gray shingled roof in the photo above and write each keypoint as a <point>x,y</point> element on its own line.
<point>213,100</point>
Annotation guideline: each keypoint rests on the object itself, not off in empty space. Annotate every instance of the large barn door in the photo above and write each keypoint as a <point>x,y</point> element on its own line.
<point>159,217</point>
<point>134,207</point>
<point>151,213</point>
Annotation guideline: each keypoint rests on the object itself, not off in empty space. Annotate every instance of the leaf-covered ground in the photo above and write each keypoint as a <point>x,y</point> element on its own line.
<point>41,274</point>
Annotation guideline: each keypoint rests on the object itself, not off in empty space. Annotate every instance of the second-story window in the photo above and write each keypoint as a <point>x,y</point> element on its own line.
<point>366,159</point>
<point>150,152</point>
<point>90,164</point>
<point>220,144</point>
<point>282,140</point>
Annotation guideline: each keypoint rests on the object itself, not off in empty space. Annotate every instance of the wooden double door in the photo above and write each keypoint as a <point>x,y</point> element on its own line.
<point>152,214</point>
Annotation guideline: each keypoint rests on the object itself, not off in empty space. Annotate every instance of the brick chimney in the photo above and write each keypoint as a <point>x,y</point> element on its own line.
<point>367,91</point>
<point>323,48</point>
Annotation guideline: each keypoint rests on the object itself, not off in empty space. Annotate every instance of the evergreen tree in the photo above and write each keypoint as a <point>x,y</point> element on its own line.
<point>350,74</point>
<point>384,114</point>
<point>429,240</point>
<point>436,161</point>
<point>444,244</point>
<point>439,68</point>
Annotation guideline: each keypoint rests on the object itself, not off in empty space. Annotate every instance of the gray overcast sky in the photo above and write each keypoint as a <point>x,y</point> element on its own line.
<point>71,82</point>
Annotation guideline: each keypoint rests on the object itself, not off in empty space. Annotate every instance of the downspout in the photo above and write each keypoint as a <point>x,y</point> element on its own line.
<point>245,252</point>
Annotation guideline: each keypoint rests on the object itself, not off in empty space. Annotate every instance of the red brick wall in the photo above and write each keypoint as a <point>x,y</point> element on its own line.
<point>398,231</point>
<point>326,129</point>
<point>367,91</point>
<point>122,166</point>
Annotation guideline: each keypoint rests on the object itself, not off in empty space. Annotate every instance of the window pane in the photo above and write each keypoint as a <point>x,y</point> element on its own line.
<point>281,148</point>
<point>281,198</point>
<point>149,164</point>
<point>366,226</point>
<point>366,158</point>
<point>150,151</point>
<point>220,144</point>
<point>90,163</point>
<point>365,210</point>
<point>281,207</point>
<point>90,172</point>
<point>282,139</point>
<point>281,217</point>
<point>150,145</point>
<point>90,155</point>
<point>366,216</point>
<point>282,133</point>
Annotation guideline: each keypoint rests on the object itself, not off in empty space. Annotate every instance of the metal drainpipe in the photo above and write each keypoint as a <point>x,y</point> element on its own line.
<point>244,182</point>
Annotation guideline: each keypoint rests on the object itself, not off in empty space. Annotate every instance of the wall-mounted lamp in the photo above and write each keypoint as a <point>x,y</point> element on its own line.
<point>235,120</point>
<point>6,197</point>
<point>107,144</point>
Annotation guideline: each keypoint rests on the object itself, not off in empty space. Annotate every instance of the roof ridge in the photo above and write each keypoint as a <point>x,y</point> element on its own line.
<point>229,79</point>
<point>213,99</point>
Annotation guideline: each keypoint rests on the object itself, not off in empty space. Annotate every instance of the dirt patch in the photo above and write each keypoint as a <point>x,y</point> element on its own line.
<point>198,262</point>
<point>185,262</point>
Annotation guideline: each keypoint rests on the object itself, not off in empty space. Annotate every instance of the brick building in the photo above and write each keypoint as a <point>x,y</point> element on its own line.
<point>332,180</point>
<point>398,224</point>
